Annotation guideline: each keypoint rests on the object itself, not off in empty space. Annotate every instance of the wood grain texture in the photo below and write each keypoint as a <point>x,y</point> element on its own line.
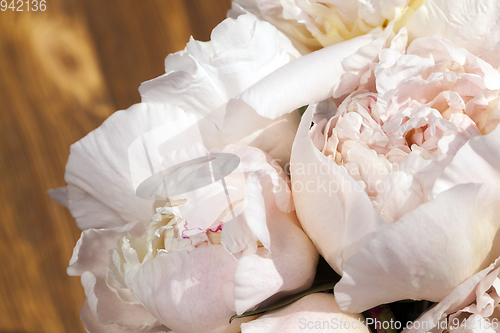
<point>62,72</point>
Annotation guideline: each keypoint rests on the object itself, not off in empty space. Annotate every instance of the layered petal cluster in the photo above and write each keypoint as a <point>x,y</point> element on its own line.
<point>182,230</point>
<point>313,24</point>
<point>398,188</point>
<point>204,255</point>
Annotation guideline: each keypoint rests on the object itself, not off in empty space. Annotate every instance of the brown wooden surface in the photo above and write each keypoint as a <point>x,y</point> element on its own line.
<point>62,72</point>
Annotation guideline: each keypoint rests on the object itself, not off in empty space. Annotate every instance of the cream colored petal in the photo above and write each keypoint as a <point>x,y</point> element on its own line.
<point>427,253</point>
<point>333,209</point>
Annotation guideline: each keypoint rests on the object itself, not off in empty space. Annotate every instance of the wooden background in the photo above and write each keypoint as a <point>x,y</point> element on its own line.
<point>62,72</point>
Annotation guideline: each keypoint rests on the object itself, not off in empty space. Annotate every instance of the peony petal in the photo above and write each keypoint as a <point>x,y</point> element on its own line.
<point>202,78</point>
<point>206,75</point>
<point>333,209</point>
<point>273,136</point>
<point>255,160</point>
<point>491,56</point>
<point>398,194</point>
<point>104,166</point>
<point>90,260</point>
<point>403,262</point>
<point>184,290</point>
<point>310,78</point>
<point>285,265</point>
<point>59,195</point>
<point>237,237</point>
<point>476,162</point>
<point>92,325</point>
<point>255,280</point>
<point>314,313</point>
<point>473,25</point>
<point>461,296</point>
<point>255,212</point>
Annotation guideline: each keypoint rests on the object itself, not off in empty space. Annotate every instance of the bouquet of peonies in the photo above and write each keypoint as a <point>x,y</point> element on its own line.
<point>317,166</point>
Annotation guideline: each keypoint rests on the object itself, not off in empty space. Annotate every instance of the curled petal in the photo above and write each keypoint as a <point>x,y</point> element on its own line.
<point>311,78</point>
<point>333,209</point>
<point>476,162</point>
<point>287,261</point>
<point>273,136</point>
<point>90,260</point>
<point>207,74</point>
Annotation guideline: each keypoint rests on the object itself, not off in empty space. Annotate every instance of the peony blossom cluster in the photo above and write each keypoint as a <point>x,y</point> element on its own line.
<point>215,199</point>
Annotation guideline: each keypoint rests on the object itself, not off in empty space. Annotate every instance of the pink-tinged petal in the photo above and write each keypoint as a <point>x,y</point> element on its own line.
<point>93,325</point>
<point>237,237</point>
<point>478,161</point>
<point>333,209</point>
<point>392,73</point>
<point>106,166</point>
<point>285,265</point>
<point>314,313</point>
<point>242,232</point>
<point>473,25</point>
<point>206,205</point>
<point>311,78</point>
<point>427,253</point>
<point>185,290</point>
<point>492,56</point>
<point>399,194</point>
<point>255,160</point>
<point>206,75</point>
<point>460,297</point>
<point>90,260</point>
<point>255,280</point>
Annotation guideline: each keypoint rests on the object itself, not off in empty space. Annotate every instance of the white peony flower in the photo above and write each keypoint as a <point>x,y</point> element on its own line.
<point>415,145</point>
<point>159,249</point>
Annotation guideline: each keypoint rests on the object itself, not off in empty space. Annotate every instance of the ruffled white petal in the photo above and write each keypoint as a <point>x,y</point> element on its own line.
<point>90,260</point>
<point>106,166</point>
<point>313,78</point>
<point>207,74</point>
<point>473,25</point>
